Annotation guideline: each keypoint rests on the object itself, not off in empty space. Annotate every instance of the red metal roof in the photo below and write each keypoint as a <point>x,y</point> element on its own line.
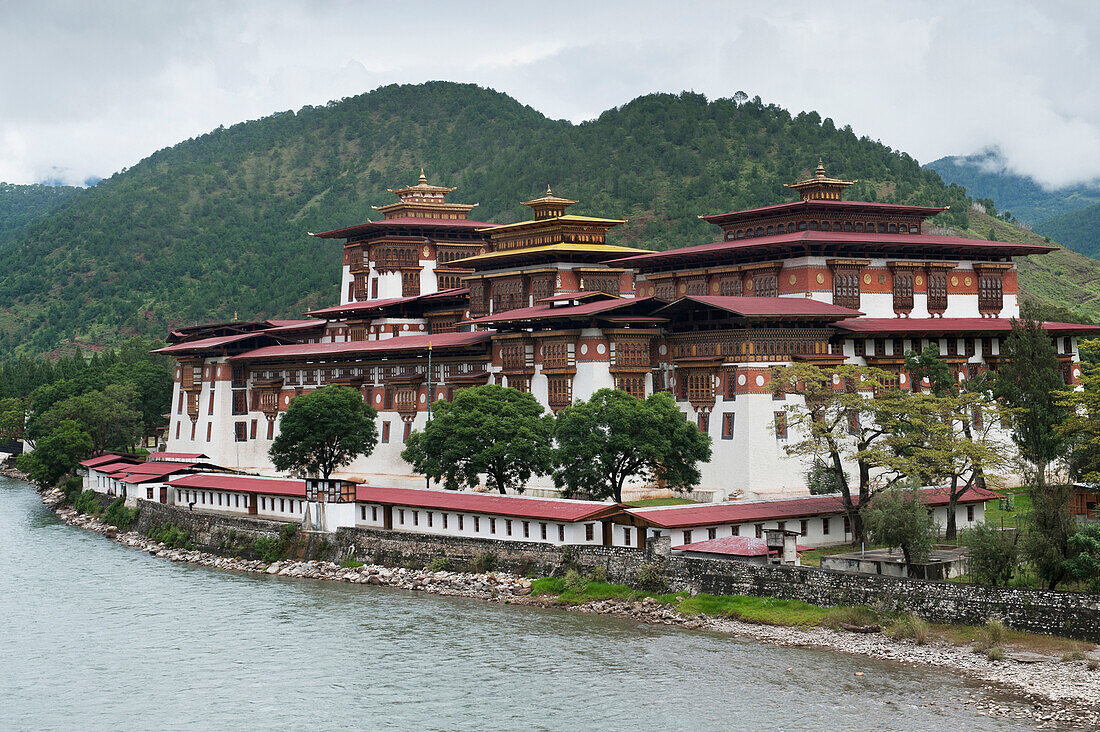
<point>767,306</point>
<point>103,460</point>
<point>154,456</point>
<point>204,344</point>
<point>779,208</point>
<point>744,512</point>
<point>350,231</point>
<point>110,468</point>
<point>241,484</point>
<point>401,343</point>
<point>549,312</point>
<point>950,325</point>
<point>840,238</point>
<point>518,506</point>
<point>368,305</point>
<point>151,471</point>
<point>734,546</point>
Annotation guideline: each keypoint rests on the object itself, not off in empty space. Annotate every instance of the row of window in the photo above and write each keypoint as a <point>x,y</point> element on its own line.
<point>508,527</point>
<point>791,227</point>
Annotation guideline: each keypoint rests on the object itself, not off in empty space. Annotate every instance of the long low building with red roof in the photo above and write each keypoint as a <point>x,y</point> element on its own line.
<point>431,302</point>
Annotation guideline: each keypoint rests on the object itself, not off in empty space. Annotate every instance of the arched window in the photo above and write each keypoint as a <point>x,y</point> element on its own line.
<point>760,231</point>
<point>801,225</point>
<point>893,228</point>
<point>780,229</point>
<point>771,230</point>
<point>825,226</point>
<point>848,226</point>
<point>748,233</point>
<point>914,229</point>
<point>859,227</point>
<point>813,226</point>
<point>740,233</point>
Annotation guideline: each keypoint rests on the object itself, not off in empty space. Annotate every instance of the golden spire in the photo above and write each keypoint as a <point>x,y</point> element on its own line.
<point>820,187</point>
<point>423,178</point>
<point>819,173</point>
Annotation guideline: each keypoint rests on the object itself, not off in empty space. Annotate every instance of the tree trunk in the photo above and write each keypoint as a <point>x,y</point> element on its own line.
<point>952,501</point>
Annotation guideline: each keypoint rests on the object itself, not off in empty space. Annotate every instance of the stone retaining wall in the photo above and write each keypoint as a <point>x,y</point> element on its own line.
<point>1069,614</point>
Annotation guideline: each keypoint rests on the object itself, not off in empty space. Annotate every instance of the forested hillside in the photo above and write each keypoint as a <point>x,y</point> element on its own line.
<point>217,225</point>
<point>985,176</point>
<point>1078,230</point>
<point>21,205</point>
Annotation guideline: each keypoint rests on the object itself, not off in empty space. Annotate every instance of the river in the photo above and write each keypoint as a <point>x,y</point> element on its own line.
<point>99,636</point>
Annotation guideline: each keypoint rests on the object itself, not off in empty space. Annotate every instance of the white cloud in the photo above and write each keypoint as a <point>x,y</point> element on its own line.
<point>89,88</point>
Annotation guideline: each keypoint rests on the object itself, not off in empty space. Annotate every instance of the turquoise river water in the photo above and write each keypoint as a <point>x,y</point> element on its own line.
<point>98,636</point>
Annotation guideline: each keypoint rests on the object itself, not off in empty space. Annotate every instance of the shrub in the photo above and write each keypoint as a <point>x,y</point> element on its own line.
<point>71,489</point>
<point>87,503</point>
<point>440,564</point>
<point>1093,664</point>
<point>993,553</point>
<point>598,574</point>
<point>651,578</point>
<point>996,653</point>
<point>485,562</point>
<point>267,548</point>
<point>288,532</point>
<point>171,536</point>
<point>991,636</point>
<point>910,626</point>
<point>118,515</point>
<point>574,581</point>
<point>1073,656</point>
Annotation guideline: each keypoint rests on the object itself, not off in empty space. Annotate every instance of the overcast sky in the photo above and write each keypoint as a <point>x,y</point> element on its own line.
<point>88,88</point>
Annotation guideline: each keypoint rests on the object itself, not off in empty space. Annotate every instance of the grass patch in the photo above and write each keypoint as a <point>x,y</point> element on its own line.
<point>812,557</point>
<point>652,502</point>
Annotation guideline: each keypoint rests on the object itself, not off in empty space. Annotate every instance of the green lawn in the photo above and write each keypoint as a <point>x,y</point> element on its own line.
<point>997,516</point>
<point>651,502</point>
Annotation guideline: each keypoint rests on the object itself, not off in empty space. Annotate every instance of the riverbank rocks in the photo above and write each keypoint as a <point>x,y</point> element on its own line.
<point>1063,694</point>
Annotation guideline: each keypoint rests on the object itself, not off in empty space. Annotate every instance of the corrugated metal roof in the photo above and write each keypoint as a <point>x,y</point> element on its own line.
<point>102,460</point>
<point>241,484</point>
<point>550,509</point>
<point>547,312</point>
<point>402,221</point>
<point>401,343</point>
<point>743,512</point>
<point>950,325</point>
<point>765,306</point>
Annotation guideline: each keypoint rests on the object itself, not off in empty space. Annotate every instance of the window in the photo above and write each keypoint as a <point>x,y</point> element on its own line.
<point>704,422</point>
<point>508,526</point>
<point>385,432</point>
<point>477,524</point>
<point>210,409</point>
<point>760,531</point>
<point>700,387</point>
<point>526,529</point>
<point>825,527</point>
<point>492,526</point>
<point>460,522</point>
<point>803,527</point>
<point>561,532</point>
<point>240,402</point>
<point>735,531</point>
<point>727,426</point>
<point>589,532</point>
<point>543,528</point>
<point>937,291</point>
<point>847,525</point>
<point>712,533</point>
<point>846,288</point>
<point>362,513</point>
<point>990,291</point>
<point>687,537</point>
<point>431,518</point>
<point>416,518</point>
<point>632,385</point>
<point>780,425</point>
<point>240,432</point>
<point>149,494</point>
<point>765,284</point>
<point>252,431</point>
<point>969,513</point>
<point>406,432</point>
<point>209,428</point>
<point>560,391</point>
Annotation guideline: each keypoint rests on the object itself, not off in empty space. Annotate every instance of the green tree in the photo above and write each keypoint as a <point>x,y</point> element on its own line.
<point>1029,382</point>
<point>993,553</point>
<point>1050,525</point>
<point>495,431</point>
<point>898,518</point>
<point>612,438</point>
<point>1084,556</point>
<point>855,415</point>
<point>323,430</point>
<point>960,448</point>
<point>107,416</point>
<point>12,418</point>
<point>56,454</point>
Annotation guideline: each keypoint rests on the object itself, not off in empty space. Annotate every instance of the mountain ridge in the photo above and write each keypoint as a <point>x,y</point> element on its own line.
<point>215,226</point>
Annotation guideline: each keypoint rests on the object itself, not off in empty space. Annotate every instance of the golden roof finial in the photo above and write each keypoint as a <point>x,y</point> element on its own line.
<point>548,191</point>
<point>820,172</point>
<point>423,178</point>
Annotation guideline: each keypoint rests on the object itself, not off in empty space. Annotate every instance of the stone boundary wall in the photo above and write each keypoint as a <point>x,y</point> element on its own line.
<point>1069,614</point>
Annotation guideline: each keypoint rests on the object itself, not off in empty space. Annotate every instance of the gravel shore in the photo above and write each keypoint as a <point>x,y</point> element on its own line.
<point>1058,694</point>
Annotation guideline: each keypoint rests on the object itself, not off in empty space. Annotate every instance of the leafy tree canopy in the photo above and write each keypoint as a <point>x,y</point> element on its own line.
<point>323,430</point>
<point>57,453</point>
<point>612,438</point>
<point>898,518</point>
<point>495,431</point>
